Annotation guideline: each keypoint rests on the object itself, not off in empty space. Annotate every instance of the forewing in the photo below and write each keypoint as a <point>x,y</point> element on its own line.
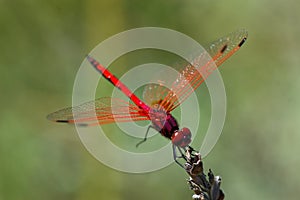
<point>101,111</point>
<point>194,74</point>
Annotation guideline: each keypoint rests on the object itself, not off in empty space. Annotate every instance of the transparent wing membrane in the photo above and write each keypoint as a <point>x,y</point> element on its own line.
<point>101,111</point>
<point>195,73</point>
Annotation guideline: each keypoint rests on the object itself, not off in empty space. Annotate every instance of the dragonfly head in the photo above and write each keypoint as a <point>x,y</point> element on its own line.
<point>182,138</point>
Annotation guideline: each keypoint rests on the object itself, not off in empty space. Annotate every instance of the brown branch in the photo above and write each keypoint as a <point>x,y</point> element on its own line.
<point>204,189</point>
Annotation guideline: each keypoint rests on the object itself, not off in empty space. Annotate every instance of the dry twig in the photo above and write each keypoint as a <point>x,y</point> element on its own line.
<point>204,189</point>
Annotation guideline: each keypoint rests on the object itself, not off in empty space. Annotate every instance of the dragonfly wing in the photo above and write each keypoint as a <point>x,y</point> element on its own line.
<point>221,49</point>
<point>194,74</point>
<point>101,111</point>
<point>154,93</point>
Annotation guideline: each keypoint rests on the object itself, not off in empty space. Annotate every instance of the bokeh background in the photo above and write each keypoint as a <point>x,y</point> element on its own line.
<point>43,44</point>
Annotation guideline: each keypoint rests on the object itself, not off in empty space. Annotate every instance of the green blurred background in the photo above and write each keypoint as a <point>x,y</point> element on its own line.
<point>42,46</point>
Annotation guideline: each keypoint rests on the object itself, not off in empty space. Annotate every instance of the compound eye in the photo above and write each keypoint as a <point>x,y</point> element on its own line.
<point>182,138</point>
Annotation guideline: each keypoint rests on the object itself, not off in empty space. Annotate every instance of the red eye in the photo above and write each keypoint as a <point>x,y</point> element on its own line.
<point>182,138</point>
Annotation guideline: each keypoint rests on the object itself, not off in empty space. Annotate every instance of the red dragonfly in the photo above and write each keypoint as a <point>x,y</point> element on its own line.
<point>110,110</point>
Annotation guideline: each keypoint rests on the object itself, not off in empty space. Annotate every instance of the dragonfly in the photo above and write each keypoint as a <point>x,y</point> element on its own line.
<point>107,110</point>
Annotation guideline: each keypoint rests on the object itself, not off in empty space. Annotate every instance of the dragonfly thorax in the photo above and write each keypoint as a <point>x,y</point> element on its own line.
<point>167,126</point>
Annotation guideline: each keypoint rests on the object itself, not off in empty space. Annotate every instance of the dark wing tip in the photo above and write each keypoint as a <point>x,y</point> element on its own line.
<point>243,36</point>
<point>62,121</point>
<point>70,122</point>
<point>242,42</point>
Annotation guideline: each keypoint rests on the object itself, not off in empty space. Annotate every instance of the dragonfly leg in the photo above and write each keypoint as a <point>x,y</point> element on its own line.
<point>145,138</point>
<point>182,154</point>
<point>178,157</point>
